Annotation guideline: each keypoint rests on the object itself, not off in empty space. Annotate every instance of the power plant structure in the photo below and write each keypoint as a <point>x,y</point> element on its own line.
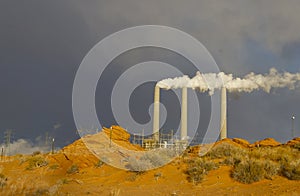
<point>156,113</point>
<point>161,139</point>
<point>184,115</point>
<point>183,133</point>
<point>223,116</point>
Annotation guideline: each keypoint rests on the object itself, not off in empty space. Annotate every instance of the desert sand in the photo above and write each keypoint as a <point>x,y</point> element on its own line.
<point>89,178</point>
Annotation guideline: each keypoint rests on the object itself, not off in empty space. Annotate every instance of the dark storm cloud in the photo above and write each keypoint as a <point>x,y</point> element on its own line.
<point>222,26</point>
<point>43,42</point>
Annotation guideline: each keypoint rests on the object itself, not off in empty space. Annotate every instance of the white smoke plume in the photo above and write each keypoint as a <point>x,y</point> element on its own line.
<point>23,146</point>
<point>214,81</point>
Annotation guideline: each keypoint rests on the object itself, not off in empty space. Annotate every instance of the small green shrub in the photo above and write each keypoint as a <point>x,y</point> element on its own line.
<point>225,150</point>
<point>65,181</point>
<point>249,171</point>
<point>115,192</point>
<point>256,153</point>
<point>157,175</point>
<point>55,166</point>
<point>36,153</point>
<point>279,154</point>
<point>132,177</point>
<point>271,169</point>
<point>297,146</point>
<point>157,157</point>
<point>73,169</point>
<point>150,159</point>
<point>41,192</point>
<point>35,162</point>
<point>138,165</point>
<point>198,168</point>
<point>3,180</point>
<point>22,160</point>
<point>285,161</point>
<point>196,174</point>
<point>249,165</point>
<point>233,160</point>
<point>99,164</point>
<point>291,170</point>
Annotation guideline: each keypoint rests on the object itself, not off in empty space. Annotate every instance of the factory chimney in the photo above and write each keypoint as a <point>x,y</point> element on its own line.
<point>156,113</point>
<point>223,118</point>
<point>184,114</point>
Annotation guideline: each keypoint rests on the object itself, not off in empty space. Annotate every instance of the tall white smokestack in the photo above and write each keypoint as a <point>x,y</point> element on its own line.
<point>223,118</point>
<point>156,113</point>
<point>184,114</point>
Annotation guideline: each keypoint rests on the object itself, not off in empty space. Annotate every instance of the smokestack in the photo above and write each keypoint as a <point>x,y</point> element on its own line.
<point>184,114</point>
<point>156,113</point>
<point>223,118</point>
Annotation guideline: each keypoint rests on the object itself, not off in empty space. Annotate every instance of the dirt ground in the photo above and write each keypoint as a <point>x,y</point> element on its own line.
<point>55,178</point>
<point>106,180</point>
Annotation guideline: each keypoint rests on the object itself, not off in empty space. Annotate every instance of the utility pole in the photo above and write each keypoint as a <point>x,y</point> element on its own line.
<point>2,153</point>
<point>143,132</point>
<point>110,137</point>
<point>293,126</point>
<point>7,138</point>
<point>46,139</point>
<point>52,145</point>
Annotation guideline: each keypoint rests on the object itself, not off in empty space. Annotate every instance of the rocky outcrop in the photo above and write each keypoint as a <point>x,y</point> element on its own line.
<point>266,142</point>
<point>293,141</point>
<point>117,133</point>
<point>242,142</point>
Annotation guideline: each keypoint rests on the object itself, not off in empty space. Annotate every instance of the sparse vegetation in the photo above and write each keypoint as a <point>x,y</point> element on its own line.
<point>249,171</point>
<point>225,150</point>
<point>291,170</point>
<point>22,160</point>
<point>55,166</point>
<point>99,164</point>
<point>249,165</point>
<point>157,175</point>
<point>36,153</point>
<point>151,159</point>
<point>65,181</point>
<point>115,192</point>
<point>139,165</point>
<point>233,161</point>
<point>297,146</point>
<point>197,169</point>
<point>246,165</point>
<point>132,177</point>
<point>73,169</point>
<point>271,169</point>
<point>41,191</point>
<point>157,158</point>
<point>3,180</point>
<point>35,162</point>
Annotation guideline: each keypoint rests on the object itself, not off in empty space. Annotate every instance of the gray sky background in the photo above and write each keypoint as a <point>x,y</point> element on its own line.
<point>42,44</point>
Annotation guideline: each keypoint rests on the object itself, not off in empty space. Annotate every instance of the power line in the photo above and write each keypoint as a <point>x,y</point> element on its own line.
<point>7,140</point>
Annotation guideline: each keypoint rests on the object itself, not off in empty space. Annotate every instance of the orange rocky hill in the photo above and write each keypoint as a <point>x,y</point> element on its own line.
<point>231,167</point>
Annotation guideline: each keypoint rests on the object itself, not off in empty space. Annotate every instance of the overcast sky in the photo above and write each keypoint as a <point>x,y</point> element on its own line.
<point>42,44</point>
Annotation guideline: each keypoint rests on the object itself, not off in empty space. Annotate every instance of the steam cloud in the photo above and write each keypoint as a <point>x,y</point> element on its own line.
<point>214,81</point>
<point>23,146</point>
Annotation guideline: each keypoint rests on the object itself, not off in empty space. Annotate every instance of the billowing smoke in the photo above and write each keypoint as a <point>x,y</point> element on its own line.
<point>23,146</point>
<point>214,81</point>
